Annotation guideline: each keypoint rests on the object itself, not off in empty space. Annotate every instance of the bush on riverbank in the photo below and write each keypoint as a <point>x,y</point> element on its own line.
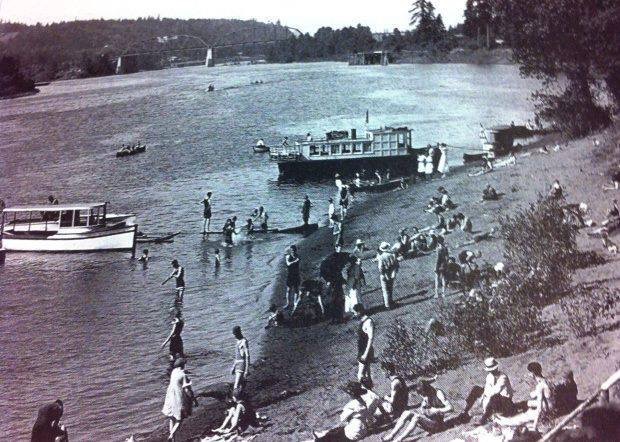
<point>416,352</point>
<point>589,308</point>
<point>12,81</point>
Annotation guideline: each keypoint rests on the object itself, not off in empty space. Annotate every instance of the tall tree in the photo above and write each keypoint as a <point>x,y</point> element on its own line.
<point>572,40</point>
<point>427,28</point>
<point>479,20</point>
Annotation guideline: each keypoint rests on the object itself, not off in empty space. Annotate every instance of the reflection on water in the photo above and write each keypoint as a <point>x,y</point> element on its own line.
<point>87,328</point>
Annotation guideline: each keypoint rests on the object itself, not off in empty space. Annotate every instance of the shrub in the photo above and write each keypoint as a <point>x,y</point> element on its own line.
<point>496,320</point>
<point>589,308</point>
<point>415,352</point>
<point>539,248</point>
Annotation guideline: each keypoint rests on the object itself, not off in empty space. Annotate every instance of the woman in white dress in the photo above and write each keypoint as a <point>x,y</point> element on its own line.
<point>443,167</point>
<point>428,167</point>
<point>421,165</point>
<point>179,397</point>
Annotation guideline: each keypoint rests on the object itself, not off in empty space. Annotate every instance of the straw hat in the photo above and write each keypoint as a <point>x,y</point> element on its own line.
<point>490,364</point>
<point>384,247</point>
<point>359,242</point>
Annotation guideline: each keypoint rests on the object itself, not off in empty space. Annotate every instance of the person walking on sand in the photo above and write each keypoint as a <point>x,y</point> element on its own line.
<point>206,214</point>
<point>441,266</point>
<point>388,267</point>
<point>241,364</point>
<point>179,275</point>
<point>305,210</point>
<point>174,338</point>
<point>344,201</point>
<point>365,340</point>
<point>337,231</point>
<point>293,277</point>
<point>179,398</point>
<point>331,211</point>
<point>355,280</point>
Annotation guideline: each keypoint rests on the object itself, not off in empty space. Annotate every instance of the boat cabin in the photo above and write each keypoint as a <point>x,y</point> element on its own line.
<point>52,218</point>
<point>339,145</point>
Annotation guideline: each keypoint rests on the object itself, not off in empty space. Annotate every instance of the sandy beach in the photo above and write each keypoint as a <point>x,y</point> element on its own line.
<point>296,380</point>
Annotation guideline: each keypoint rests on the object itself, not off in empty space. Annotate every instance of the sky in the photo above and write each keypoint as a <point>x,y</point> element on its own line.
<point>307,15</point>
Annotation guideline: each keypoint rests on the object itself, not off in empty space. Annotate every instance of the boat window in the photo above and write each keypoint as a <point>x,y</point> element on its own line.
<point>367,147</point>
<point>66,218</point>
<point>324,149</point>
<point>335,149</point>
<point>346,148</point>
<point>314,150</point>
<point>357,148</point>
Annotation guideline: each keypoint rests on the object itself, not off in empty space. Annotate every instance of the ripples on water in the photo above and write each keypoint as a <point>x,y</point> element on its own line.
<point>87,328</point>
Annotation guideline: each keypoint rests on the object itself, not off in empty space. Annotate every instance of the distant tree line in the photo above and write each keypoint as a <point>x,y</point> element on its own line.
<point>89,48</point>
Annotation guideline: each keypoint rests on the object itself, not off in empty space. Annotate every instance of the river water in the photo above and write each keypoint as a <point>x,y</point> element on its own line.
<point>87,328</point>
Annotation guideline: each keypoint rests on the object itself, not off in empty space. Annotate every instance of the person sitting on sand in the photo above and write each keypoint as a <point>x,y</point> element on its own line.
<point>354,418</point>
<point>556,191</point>
<point>441,223</point>
<point>429,416</point>
<point>615,180</point>
<point>495,397</point>
<point>540,406</point>
<point>489,194</point>
<point>452,271</point>
<point>403,245</point>
<point>377,413</point>
<point>565,392</point>
<point>608,244</point>
<point>311,305</point>
<point>276,318</point>
<point>239,416</point>
<point>465,223</point>
<point>452,223</point>
<point>445,200</point>
<point>468,258</point>
<point>395,402</point>
<point>613,215</point>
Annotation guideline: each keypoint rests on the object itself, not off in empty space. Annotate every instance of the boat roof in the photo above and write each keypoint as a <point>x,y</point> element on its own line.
<point>53,207</point>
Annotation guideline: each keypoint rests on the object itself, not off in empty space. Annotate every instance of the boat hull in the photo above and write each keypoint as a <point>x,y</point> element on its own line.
<point>261,149</point>
<point>123,238</point>
<point>308,170</point>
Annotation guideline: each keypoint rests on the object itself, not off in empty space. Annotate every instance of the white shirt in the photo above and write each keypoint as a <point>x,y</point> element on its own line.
<point>338,183</point>
<point>499,384</point>
<point>331,210</point>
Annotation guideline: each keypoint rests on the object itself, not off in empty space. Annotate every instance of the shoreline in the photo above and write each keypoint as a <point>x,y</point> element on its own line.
<point>275,374</point>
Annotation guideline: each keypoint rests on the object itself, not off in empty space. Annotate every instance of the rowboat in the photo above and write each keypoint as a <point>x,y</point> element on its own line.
<point>67,228</point>
<point>156,239</point>
<point>376,188</point>
<point>304,229</point>
<point>261,149</point>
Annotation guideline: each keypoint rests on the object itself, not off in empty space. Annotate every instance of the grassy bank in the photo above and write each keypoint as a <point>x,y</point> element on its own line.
<point>296,381</point>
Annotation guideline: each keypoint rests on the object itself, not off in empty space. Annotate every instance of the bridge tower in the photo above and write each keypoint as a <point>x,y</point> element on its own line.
<point>210,62</point>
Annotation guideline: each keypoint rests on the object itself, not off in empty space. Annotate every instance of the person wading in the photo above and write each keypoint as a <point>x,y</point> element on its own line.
<point>207,213</point>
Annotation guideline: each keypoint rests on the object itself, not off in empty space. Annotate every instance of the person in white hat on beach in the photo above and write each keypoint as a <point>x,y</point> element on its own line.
<point>496,397</point>
<point>388,267</point>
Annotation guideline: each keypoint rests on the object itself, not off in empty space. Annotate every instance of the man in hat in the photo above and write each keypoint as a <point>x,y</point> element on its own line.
<point>388,267</point>
<point>496,397</point>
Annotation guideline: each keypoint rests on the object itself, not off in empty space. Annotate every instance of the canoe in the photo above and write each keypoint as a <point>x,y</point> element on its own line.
<point>156,239</point>
<point>376,188</point>
<point>123,153</point>
<point>261,149</point>
<point>298,230</point>
<point>473,157</point>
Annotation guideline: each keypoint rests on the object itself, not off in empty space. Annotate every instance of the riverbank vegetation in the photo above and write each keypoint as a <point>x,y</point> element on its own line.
<point>12,80</point>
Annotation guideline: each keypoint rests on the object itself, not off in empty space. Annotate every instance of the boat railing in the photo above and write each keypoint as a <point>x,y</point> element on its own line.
<point>283,153</point>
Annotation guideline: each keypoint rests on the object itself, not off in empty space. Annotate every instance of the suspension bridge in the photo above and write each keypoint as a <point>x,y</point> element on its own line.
<point>190,50</point>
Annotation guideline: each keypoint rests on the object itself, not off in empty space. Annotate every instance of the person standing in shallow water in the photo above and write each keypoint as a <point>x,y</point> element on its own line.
<point>179,275</point>
<point>174,338</point>
<point>207,213</point>
<point>241,364</point>
<point>305,210</point>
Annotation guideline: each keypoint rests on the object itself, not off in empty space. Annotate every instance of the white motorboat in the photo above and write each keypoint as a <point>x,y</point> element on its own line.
<point>67,228</point>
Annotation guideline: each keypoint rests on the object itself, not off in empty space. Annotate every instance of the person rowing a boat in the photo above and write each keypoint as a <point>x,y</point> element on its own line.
<point>249,226</point>
<point>305,210</point>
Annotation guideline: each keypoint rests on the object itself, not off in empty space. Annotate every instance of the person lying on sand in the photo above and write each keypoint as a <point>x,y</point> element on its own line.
<point>468,258</point>
<point>615,181</point>
<point>429,416</point>
<point>378,414</point>
<point>489,194</point>
<point>480,237</point>
<point>609,244</point>
<point>556,190</point>
<point>276,318</point>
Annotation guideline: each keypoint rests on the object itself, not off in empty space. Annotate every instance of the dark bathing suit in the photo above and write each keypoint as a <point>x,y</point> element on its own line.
<point>362,342</point>
<point>207,211</point>
<point>176,342</point>
<point>180,280</point>
<point>293,278</point>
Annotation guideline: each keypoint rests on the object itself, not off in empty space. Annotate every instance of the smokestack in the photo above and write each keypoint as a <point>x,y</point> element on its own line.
<point>353,134</point>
